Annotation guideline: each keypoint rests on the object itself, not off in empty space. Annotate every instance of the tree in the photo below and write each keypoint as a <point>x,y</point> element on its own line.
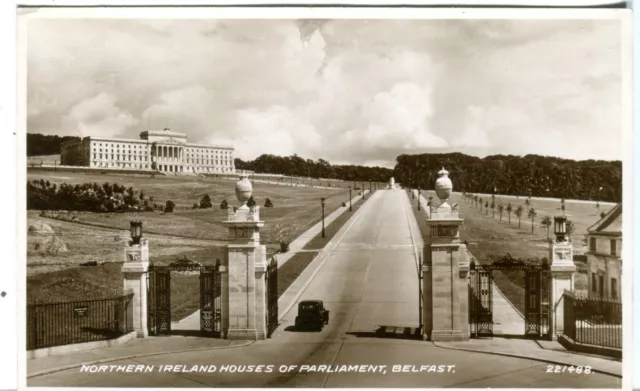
<point>500,210</point>
<point>195,205</point>
<point>546,223</point>
<point>526,202</point>
<point>486,208</point>
<point>224,205</point>
<point>532,216</point>
<point>518,212</point>
<point>268,203</point>
<point>251,202</point>
<point>168,208</point>
<point>493,209</point>
<point>205,202</point>
<point>562,207</point>
<point>602,214</point>
<point>509,209</point>
<point>570,227</point>
<point>141,196</point>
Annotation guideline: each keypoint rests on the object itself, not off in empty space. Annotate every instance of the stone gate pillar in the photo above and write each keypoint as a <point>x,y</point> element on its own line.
<point>244,268</point>
<point>562,274</point>
<point>445,272</point>
<point>134,271</point>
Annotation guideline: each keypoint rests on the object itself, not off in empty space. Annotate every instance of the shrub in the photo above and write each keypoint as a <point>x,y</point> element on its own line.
<point>205,202</point>
<point>168,208</point>
<point>195,206</point>
<point>224,205</point>
<point>251,202</point>
<point>344,204</point>
<point>284,246</point>
<point>268,203</point>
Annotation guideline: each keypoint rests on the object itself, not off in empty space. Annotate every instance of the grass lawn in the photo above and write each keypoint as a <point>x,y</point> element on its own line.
<point>291,214</point>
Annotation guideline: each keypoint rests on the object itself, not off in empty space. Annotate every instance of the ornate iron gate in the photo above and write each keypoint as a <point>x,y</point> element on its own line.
<point>480,301</point>
<point>159,297</point>
<point>159,300</point>
<point>272,295</point>
<point>210,297</point>
<point>537,285</point>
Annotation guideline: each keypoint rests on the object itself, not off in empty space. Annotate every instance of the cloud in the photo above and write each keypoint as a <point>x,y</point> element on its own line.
<point>349,91</point>
<point>97,116</point>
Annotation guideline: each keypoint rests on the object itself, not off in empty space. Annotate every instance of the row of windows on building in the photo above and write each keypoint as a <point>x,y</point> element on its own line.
<point>188,160</point>
<point>593,246</point>
<point>597,286</point>
<point>161,167</point>
<point>201,151</point>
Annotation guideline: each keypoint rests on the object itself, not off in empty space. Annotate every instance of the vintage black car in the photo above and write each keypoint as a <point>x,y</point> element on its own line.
<point>311,315</point>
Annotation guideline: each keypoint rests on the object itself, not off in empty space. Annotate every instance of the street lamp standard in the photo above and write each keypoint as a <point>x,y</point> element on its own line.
<point>350,209</point>
<point>418,198</point>
<point>322,203</point>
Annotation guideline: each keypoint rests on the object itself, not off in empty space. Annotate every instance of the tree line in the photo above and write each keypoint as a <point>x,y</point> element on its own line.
<point>297,166</point>
<point>45,144</point>
<point>531,175</point>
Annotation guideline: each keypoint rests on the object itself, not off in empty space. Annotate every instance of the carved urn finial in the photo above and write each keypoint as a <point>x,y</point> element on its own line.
<point>244,189</point>
<point>443,188</point>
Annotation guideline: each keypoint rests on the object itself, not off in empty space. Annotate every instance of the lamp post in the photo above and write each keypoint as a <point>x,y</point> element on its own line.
<point>322,203</point>
<point>560,228</point>
<point>418,198</point>
<point>370,186</point>
<point>362,189</point>
<point>350,209</point>
<point>135,228</point>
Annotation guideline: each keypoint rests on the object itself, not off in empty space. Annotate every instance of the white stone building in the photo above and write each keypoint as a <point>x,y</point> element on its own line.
<point>163,150</point>
<point>604,261</point>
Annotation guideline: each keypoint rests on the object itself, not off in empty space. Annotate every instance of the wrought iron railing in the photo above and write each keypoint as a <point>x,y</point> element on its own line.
<point>592,321</point>
<point>64,323</point>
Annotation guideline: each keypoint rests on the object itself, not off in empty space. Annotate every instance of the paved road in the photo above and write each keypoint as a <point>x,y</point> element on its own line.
<point>368,280</point>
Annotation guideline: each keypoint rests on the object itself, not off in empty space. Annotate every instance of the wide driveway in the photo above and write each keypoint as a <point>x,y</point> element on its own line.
<point>367,278</point>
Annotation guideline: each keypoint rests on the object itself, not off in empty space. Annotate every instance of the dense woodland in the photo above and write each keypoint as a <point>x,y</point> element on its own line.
<point>44,144</point>
<point>297,166</point>
<point>531,175</point>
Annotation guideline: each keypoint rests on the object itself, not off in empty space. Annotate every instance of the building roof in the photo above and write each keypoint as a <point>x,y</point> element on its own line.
<point>164,133</point>
<point>611,223</point>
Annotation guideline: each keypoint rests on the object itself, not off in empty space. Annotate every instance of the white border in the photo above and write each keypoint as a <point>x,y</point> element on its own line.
<point>12,155</point>
<point>441,3</point>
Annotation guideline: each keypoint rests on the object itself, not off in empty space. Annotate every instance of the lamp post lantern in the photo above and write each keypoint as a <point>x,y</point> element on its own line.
<point>135,228</point>
<point>350,209</point>
<point>322,203</point>
<point>560,228</point>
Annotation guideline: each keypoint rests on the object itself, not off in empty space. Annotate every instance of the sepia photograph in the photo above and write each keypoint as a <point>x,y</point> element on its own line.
<point>324,197</point>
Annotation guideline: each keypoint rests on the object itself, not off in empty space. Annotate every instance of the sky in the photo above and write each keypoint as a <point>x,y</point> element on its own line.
<point>347,91</point>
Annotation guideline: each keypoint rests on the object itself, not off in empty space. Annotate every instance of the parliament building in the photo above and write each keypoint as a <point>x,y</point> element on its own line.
<point>163,150</point>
